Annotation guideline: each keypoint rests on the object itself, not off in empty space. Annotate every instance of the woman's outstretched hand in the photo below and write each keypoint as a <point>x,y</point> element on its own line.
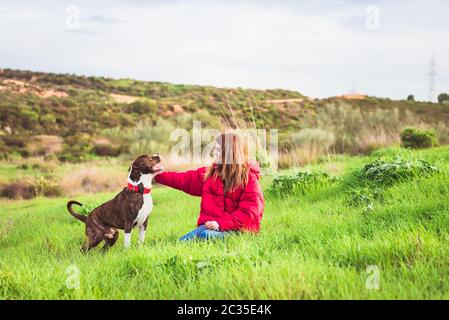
<point>212,225</point>
<point>158,169</point>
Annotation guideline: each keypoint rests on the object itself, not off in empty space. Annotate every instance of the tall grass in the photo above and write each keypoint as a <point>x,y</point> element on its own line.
<point>343,128</point>
<point>313,245</point>
<point>311,143</point>
<point>360,131</point>
<point>90,179</point>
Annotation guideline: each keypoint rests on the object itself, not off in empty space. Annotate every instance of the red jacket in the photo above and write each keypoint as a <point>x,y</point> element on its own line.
<point>241,209</point>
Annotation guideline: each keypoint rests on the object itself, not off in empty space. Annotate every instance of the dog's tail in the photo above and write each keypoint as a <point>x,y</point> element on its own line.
<point>73,212</point>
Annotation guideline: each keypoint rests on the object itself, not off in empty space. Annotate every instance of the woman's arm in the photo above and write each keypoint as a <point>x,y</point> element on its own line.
<point>190,181</point>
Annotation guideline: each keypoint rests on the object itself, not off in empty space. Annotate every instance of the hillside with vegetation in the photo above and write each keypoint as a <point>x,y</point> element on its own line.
<point>75,118</point>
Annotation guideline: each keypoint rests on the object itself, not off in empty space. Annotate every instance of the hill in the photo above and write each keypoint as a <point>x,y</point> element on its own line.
<point>79,114</point>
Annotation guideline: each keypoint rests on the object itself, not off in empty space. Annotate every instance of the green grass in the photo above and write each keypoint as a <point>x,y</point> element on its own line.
<point>312,246</point>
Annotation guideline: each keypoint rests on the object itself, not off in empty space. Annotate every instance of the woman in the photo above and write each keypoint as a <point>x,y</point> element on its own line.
<point>231,196</point>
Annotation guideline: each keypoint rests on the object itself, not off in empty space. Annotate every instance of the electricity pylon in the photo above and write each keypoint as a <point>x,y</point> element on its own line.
<point>432,76</point>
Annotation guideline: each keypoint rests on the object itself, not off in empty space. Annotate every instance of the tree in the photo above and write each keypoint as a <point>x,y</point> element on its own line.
<point>411,97</point>
<point>443,98</point>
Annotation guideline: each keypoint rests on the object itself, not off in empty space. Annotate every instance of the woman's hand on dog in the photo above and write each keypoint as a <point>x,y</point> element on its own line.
<point>158,169</point>
<point>212,225</point>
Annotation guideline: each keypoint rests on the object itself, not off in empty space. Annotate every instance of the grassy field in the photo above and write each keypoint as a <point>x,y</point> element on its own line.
<point>316,245</point>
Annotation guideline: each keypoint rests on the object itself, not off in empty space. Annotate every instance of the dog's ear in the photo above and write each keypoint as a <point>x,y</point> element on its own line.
<point>134,171</point>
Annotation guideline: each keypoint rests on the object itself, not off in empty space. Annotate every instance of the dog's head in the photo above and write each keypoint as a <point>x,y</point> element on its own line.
<point>145,164</point>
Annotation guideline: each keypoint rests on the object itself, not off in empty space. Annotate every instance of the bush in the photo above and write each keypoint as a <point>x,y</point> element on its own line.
<point>15,140</point>
<point>35,187</point>
<point>418,139</point>
<point>386,173</point>
<point>411,98</point>
<point>77,147</point>
<point>46,187</point>
<point>443,98</point>
<point>106,150</point>
<point>298,183</point>
<point>17,190</point>
<point>143,107</point>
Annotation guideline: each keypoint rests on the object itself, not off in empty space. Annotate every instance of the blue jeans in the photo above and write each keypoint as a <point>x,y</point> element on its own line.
<point>204,234</point>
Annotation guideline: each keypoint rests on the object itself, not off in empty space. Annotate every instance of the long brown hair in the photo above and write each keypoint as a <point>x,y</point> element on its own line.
<point>233,167</point>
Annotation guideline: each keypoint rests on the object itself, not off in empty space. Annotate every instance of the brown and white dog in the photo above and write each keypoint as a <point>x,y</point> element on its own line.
<point>129,209</point>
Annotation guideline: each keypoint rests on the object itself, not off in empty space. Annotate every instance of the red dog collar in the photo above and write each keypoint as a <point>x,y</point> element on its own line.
<point>137,189</point>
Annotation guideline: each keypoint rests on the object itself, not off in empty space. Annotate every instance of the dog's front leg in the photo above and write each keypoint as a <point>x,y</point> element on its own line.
<point>141,234</point>
<point>127,240</point>
<point>142,231</point>
<point>128,229</point>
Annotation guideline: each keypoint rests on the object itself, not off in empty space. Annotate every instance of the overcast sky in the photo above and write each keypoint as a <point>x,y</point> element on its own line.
<point>319,48</point>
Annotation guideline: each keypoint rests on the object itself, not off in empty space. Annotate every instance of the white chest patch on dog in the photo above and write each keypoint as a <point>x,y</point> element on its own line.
<point>145,211</point>
<point>147,206</point>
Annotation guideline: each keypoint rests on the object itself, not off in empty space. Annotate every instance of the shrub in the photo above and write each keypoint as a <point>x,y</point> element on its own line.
<point>14,140</point>
<point>46,187</point>
<point>77,147</point>
<point>106,150</point>
<point>143,106</point>
<point>386,173</point>
<point>298,183</point>
<point>411,98</point>
<point>36,187</point>
<point>443,98</point>
<point>418,139</point>
<point>17,190</point>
